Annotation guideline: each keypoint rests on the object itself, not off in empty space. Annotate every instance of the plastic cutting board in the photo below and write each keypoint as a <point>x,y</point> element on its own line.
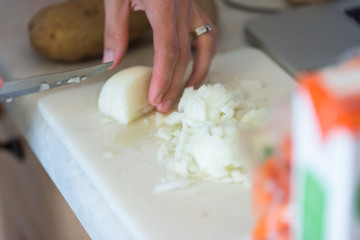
<point>121,161</point>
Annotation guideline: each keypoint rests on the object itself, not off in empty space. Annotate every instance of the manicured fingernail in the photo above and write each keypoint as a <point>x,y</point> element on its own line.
<point>165,106</point>
<point>108,56</point>
<point>158,99</point>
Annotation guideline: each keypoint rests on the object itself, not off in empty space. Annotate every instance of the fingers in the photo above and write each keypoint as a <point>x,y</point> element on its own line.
<point>205,50</point>
<point>162,17</point>
<point>116,35</point>
<point>170,21</point>
<point>183,59</point>
<point>205,46</point>
<point>201,64</point>
<point>1,82</point>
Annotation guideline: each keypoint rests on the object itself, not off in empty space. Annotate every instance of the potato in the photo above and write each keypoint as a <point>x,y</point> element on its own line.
<point>74,30</point>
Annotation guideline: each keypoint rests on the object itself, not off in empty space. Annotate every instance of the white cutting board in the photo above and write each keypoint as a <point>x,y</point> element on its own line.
<point>121,161</point>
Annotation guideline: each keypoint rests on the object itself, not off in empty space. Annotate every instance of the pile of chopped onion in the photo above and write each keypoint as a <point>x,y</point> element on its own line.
<point>203,139</point>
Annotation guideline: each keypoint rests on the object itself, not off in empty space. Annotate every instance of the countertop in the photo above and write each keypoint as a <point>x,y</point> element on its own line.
<point>92,209</point>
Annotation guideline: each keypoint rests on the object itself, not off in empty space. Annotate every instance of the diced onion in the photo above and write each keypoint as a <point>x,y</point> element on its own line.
<point>203,139</point>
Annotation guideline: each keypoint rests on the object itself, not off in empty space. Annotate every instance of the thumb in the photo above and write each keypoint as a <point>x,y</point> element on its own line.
<point>116,35</point>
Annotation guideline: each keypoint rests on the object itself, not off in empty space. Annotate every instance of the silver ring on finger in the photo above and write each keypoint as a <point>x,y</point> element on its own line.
<point>200,31</point>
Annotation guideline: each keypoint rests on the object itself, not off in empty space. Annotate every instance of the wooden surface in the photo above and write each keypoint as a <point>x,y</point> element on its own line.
<point>31,207</point>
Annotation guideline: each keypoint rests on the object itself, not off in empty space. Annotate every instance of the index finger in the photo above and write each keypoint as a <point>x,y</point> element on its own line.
<point>116,34</point>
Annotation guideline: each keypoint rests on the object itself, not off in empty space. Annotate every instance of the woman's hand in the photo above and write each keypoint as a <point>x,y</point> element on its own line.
<point>1,82</point>
<point>171,21</point>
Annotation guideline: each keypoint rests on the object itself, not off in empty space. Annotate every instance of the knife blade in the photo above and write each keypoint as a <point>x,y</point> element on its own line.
<point>24,86</point>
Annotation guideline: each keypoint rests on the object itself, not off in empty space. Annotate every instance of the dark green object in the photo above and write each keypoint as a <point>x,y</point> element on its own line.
<point>267,152</point>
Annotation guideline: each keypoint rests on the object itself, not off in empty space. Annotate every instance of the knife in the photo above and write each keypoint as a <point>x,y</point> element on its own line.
<point>24,86</point>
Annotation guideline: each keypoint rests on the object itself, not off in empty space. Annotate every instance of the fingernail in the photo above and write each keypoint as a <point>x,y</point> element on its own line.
<point>108,56</point>
<point>158,99</point>
<point>165,106</point>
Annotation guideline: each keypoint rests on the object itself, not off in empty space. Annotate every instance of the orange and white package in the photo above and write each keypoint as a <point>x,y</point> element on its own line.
<point>311,190</point>
<point>325,184</point>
